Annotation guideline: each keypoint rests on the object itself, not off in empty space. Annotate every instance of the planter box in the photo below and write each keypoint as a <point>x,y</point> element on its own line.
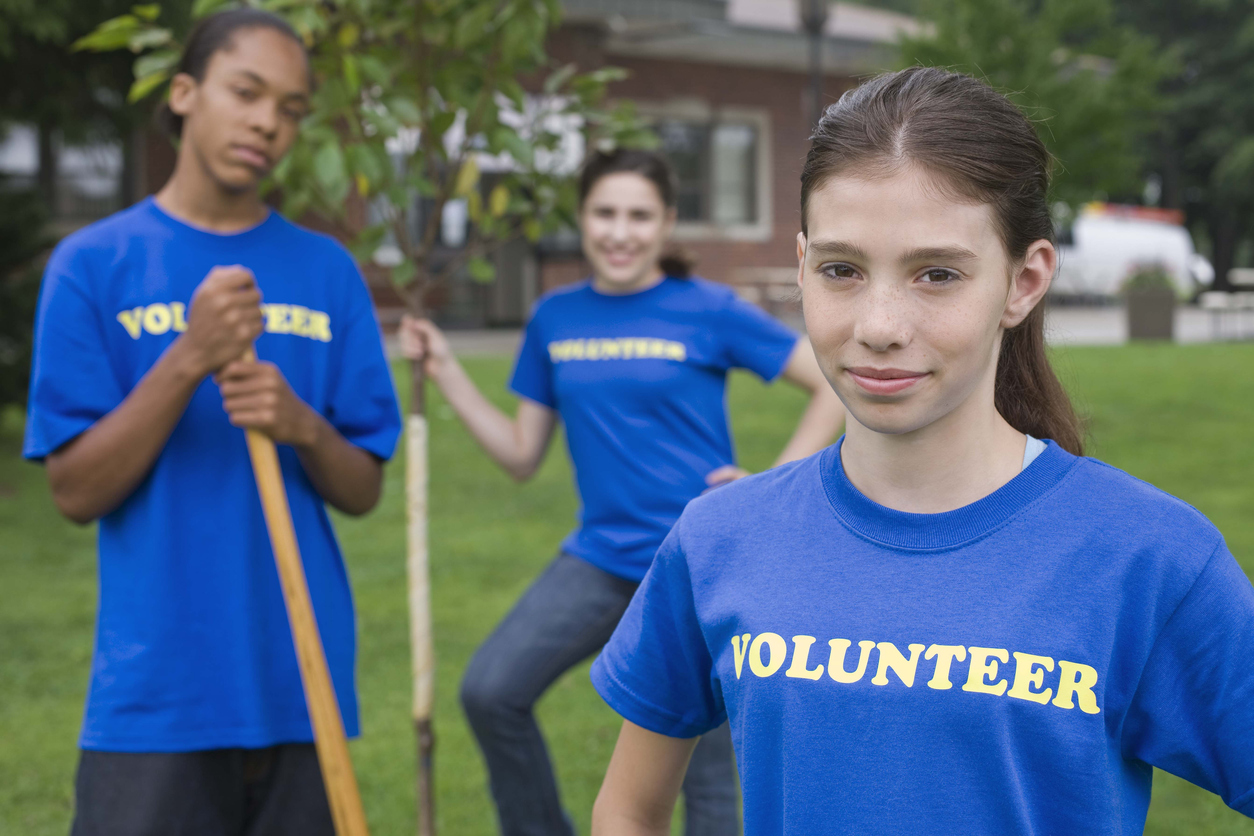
<point>1151,313</point>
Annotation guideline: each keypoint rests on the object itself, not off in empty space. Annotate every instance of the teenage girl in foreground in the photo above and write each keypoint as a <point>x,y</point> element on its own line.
<point>634,363</point>
<point>941,624</point>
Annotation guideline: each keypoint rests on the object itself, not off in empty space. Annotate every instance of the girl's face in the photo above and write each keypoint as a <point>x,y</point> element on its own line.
<point>242,117</point>
<point>906,293</point>
<point>625,225</point>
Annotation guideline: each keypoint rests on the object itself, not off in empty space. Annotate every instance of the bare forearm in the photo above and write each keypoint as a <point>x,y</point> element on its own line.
<point>819,424</point>
<point>97,471</point>
<point>345,476</point>
<point>495,432</point>
<point>641,784</point>
<point>616,823</point>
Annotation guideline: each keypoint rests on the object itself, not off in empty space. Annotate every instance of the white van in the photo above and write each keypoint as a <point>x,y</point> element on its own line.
<point>1107,243</point>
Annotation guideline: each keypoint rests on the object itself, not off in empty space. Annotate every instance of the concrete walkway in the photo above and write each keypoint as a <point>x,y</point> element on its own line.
<point>1064,325</point>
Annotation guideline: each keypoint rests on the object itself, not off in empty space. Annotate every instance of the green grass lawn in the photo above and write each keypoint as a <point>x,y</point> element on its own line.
<point>1176,416</point>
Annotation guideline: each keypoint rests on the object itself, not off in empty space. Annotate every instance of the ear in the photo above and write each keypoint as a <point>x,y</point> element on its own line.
<point>1030,282</point>
<point>183,89</point>
<point>672,218</point>
<point>801,257</point>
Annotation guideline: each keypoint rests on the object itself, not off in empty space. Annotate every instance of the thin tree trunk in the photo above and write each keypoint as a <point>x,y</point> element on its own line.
<point>46,179</point>
<point>421,640</point>
<point>1224,226</point>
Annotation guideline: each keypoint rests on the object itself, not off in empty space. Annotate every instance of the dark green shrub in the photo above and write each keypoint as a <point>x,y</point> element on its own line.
<point>22,242</point>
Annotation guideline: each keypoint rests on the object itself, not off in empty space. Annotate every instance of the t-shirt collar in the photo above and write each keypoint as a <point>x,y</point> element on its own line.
<point>185,227</point>
<point>904,530</point>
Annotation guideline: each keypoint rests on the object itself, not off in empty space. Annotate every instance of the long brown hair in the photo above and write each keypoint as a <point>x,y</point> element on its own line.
<point>983,147</point>
<point>674,261</point>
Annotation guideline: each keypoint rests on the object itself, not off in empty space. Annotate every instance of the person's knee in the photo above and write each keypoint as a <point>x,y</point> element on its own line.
<point>485,697</point>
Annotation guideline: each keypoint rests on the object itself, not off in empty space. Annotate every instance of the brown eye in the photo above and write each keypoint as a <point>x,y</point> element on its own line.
<point>939,276</point>
<point>839,271</point>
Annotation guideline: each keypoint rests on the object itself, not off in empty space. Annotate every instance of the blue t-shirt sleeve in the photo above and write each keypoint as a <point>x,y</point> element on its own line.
<point>362,403</point>
<point>533,370</point>
<point>72,384</point>
<point>656,670</point>
<point>1193,711</point>
<point>755,340</point>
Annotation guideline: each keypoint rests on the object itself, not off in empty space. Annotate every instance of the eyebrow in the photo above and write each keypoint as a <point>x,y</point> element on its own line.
<point>831,249</point>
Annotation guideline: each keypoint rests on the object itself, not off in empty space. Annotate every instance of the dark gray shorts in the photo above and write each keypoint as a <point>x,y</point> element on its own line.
<point>221,792</point>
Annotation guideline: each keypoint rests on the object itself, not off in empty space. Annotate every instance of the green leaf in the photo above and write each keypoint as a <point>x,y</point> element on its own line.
<point>329,168</point>
<point>148,38</point>
<point>467,178</point>
<point>498,201</point>
<point>362,162</point>
<point>145,85</point>
<point>404,110</point>
<point>110,35</point>
<point>558,79</point>
<point>149,11</point>
<point>518,148</point>
<point>202,8</point>
<point>156,62</point>
<point>348,35</point>
<point>403,273</point>
<point>471,25</point>
<point>374,69</point>
<point>352,76</point>
<point>481,270</point>
<point>441,122</point>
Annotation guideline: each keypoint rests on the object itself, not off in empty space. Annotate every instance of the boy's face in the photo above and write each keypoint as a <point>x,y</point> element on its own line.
<point>242,117</point>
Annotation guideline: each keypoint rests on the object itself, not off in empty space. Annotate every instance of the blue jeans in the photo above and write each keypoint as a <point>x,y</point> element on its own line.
<point>567,615</point>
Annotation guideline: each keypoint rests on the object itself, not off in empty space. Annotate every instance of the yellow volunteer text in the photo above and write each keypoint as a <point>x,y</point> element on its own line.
<point>988,668</point>
<point>160,318</point>
<point>617,348</point>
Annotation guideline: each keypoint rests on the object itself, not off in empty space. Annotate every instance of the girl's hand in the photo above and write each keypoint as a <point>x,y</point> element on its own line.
<point>423,342</point>
<point>721,476</point>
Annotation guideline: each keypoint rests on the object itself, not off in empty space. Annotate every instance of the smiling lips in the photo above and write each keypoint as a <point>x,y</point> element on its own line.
<point>884,381</point>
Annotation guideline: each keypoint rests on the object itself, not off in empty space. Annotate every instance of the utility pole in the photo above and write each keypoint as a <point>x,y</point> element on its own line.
<point>814,15</point>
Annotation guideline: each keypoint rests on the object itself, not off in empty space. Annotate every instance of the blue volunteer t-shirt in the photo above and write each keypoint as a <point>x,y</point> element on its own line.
<point>640,383</point>
<point>193,649</point>
<point>1013,666</point>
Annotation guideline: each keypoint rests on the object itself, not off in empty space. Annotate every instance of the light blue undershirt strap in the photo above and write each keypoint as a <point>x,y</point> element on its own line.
<point>1031,450</point>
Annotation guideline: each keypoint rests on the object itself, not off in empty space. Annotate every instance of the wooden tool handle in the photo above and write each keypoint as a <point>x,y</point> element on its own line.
<point>324,710</point>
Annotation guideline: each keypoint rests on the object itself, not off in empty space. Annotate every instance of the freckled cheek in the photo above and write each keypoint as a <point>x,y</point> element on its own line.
<point>961,336</point>
<point>829,324</point>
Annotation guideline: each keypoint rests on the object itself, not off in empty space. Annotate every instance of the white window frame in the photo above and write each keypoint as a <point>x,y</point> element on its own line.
<point>696,110</point>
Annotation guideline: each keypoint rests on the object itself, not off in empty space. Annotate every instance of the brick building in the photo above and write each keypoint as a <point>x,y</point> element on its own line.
<point>726,84</point>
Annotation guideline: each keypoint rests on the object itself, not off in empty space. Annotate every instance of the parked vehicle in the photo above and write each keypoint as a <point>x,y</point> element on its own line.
<point>1107,243</point>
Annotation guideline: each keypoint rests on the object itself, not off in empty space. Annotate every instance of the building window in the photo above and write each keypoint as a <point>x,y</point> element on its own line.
<point>88,182</point>
<point>716,165</point>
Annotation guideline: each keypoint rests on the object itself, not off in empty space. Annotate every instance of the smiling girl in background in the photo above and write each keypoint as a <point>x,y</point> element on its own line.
<point>634,363</point>
<point>948,622</point>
